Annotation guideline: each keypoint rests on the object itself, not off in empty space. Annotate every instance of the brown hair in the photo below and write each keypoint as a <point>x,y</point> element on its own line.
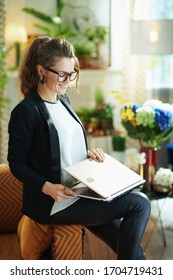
<point>43,51</point>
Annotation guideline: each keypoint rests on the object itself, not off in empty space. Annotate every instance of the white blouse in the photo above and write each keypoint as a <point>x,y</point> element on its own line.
<point>72,145</point>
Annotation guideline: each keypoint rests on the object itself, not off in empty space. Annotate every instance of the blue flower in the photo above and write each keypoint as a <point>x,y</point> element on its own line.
<point>135,107</point>
<point>163,119</point>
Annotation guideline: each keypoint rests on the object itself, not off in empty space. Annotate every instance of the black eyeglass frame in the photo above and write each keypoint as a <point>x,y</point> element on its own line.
<point>68,75</point>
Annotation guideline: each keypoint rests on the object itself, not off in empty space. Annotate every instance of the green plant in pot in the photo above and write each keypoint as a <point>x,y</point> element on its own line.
<point>3,78</point>
<point>52,25</point>
<point>97,35</point>
<point>118,147</point>
<point>103,110</point>
<point>86,40</point>
<point>84,53</point>
<point>84,113</point>
<point>88,119</point>
<point>118,142</point>
<point>3,97</point>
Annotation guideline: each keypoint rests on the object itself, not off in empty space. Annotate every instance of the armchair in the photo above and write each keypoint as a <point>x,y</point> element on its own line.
<point>23,238</point>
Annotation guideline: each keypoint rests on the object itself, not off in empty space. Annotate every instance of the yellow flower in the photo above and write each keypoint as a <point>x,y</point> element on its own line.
<point>119,96</point>
<point>128,115</point>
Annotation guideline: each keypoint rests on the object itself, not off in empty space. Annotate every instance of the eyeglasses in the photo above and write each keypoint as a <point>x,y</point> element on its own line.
<point>62,76</point>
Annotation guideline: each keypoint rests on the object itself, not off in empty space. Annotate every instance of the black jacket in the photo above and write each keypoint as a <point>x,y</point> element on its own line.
<point>34,153</point>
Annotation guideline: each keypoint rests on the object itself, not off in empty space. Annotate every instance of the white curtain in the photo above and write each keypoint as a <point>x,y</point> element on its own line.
<point>134,74</point>
<point>132,67</point>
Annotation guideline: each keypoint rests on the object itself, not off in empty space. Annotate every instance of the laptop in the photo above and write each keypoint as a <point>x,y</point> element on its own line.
<point>103,180</point>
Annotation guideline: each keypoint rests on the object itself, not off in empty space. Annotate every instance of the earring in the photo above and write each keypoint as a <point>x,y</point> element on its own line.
<point>42,80</point>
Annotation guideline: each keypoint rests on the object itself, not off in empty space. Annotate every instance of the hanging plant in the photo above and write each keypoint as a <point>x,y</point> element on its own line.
<point>3,77</point>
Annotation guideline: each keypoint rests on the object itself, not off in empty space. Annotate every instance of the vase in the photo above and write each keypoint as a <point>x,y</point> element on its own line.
<point>171,191</point>
<point>107,123</point>
<point>161,189</point>
<point>149,168</point>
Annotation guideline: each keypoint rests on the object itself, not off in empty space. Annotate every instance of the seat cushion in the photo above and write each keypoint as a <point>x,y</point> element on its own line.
<point>35,238</point>
<point>11,200</point>
<point>68,242</point>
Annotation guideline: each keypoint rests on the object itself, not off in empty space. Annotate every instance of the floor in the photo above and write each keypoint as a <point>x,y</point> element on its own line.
<point>152,242</point>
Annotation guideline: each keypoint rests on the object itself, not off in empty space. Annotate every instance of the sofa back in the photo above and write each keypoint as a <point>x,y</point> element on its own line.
<point>10,200</point>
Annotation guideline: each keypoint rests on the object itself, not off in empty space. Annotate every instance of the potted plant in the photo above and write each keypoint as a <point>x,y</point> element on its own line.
<point>84,113</point>
<point>119,147</point>
<point>3,98</point>
<point>52,26</point>
<point>90,37</point>
<point>118,142</point>
<point>83,53</point>
<point>3,77</point>
<point>88,118</point>
<point>103,110</point>
<point>97,35</point>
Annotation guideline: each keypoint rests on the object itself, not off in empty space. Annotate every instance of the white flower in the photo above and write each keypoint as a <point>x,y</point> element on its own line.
<point>134,158</point>
<point>130,158</point>
<point>140,158</point>
<point>153,103</point>
<point>163,177</point>
<point>56,19</point>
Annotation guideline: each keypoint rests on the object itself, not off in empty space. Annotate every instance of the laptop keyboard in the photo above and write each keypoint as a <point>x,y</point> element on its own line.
<point>81,189</point>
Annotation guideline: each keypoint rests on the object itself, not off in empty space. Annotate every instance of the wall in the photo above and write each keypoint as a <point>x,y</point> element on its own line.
<point>89,79</point>
<point>15,14</point>
<point>98,9</point>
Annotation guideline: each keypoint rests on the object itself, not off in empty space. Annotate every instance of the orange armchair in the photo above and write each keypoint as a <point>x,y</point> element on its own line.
<point>23,238</point>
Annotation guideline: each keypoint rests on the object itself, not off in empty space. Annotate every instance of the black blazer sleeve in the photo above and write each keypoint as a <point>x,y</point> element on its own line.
<point>23,123</point>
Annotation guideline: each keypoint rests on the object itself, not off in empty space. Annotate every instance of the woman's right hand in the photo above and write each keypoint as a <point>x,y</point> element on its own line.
<point>57,191</point>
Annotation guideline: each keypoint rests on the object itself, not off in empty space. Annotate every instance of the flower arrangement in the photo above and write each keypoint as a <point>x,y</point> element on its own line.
<point>151,123</point>
<point>163,177</point>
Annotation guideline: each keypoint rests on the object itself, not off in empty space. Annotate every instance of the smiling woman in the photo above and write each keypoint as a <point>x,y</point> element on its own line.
<point>46,136</point>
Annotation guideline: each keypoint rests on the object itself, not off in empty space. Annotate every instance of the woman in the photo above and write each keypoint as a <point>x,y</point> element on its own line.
<point>45,135</point>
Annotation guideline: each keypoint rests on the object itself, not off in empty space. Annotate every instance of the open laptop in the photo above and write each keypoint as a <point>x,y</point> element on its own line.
<point>103,180</point>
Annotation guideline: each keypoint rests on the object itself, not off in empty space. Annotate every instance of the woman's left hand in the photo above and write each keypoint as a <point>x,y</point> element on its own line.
<point>96,154</point>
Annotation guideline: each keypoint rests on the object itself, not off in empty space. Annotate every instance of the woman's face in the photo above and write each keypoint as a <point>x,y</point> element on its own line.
<point>54,81</point>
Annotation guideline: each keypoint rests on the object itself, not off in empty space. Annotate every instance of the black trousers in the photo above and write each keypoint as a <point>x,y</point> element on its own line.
<point>120,223</point>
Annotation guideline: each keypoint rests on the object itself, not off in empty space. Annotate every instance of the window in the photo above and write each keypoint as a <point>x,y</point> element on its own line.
<point>158,68</point>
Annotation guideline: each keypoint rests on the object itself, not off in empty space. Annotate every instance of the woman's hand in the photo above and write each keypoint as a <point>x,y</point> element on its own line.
<point>96,154</point>
<point>57,191</point>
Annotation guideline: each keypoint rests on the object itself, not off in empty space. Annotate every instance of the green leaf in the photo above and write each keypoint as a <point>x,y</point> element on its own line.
<point>166,135</point>
<point>42,16</point>
<point>43,28</point>
<point>60,8</point>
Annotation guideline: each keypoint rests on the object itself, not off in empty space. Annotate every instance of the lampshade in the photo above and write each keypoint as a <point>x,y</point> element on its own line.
<point>151,37</point>
<point>15,34</point>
